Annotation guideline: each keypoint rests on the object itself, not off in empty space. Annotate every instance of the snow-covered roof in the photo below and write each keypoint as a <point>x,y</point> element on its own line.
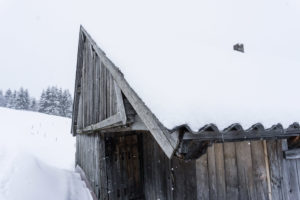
<point>178,56</point>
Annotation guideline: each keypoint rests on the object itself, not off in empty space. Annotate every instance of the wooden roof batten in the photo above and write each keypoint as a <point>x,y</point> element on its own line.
<point>167,141</point>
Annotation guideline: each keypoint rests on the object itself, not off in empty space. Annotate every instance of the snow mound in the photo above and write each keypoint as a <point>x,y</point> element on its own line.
<point>37,158</point>
<point>44,136</point>
<point>27,178</point>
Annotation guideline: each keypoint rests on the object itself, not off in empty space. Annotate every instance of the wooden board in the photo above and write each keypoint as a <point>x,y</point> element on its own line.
<point>244,166</point>
<point>220,171</point>
<point>212,179</point>
<point>259,170</point>
<point>232,189</point>
<point>202,178</point>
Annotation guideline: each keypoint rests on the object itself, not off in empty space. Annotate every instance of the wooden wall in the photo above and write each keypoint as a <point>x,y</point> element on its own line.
<point>241,170</point>
<point>285,174</point>
<point>233,171</point>
<point>90,156</point>
<point>164,178</point>
<point>97,99</point>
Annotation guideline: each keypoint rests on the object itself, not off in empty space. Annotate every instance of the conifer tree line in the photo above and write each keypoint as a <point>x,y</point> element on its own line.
<point>53,101</point>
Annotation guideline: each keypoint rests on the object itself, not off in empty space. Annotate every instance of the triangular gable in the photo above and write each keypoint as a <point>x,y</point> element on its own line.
<point>163,137</point>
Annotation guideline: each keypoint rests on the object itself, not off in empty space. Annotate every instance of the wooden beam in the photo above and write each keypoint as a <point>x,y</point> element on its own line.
<point>292,154</point>
<point>111,121</point>
<point>166,141</point>
<point>118,127</point>
<point>77,84</point>
<point>233,136</point>
<point>120,103</point>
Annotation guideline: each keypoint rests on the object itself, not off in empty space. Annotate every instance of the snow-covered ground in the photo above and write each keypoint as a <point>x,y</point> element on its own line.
<point>37,155</point>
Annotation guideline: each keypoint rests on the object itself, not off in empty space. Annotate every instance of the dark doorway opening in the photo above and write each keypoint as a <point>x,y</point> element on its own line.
<point>124,167</point>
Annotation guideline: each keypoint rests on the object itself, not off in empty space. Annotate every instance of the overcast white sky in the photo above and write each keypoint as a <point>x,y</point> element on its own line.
<point>174,53</point>
<point>32,53</point>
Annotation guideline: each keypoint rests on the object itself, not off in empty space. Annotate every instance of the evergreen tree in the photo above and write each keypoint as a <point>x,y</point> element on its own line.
<point>49,102</point>
<point>26,100</point>
<point>8,98</point>
<point>22,100</point>
<point>43,102</point>
<point>33,105</point>
<point>13,99</point>
<point>2,99</point>
<point>52,101</point>
<point>66,104</point>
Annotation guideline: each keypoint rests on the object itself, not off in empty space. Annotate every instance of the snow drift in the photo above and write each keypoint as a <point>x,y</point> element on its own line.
<point>37,158</point>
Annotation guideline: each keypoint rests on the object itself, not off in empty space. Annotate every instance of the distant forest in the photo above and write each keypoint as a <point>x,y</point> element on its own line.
<point>53,101</point>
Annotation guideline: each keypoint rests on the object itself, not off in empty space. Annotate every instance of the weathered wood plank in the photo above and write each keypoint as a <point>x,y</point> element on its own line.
<point>275,165</point>
<point>244,166</point>
<point>235,136</point>
<point>113,120</point>
<point>97,89</point>
<point>107,95</point>
<point>120,103</point>
<point>292,154</point>
<point>77,83</point>
<point>102,166</point>
<point>231,176</point>
<point>212,179</point>
<point>102,92</point>
<point>259,170</point>
<point>185,187</point>
<point>202,178</point>
<point>290,176</point>
<point>148,157</point>
<point>298,171</point>
<point>220,171</point>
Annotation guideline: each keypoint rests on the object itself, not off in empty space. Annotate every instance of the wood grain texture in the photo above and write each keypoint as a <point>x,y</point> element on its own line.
<point>259,170</point>
<point>212,179</point>
<point>220,171</point>
<point>290,176</point>
<point>292,154</point>
<point>202,178</point>
<point>232,184</point>
<point>244,166</point>
<point>275,165</point>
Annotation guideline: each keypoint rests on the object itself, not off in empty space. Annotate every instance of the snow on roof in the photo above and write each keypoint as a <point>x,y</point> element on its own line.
<point>178,56</point>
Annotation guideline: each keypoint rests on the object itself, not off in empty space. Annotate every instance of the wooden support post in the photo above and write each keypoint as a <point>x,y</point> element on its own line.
<point>267,170</point>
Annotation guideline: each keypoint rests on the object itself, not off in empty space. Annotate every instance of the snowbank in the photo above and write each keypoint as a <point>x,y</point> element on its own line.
<point>37,158</point>
<point>44,136</point>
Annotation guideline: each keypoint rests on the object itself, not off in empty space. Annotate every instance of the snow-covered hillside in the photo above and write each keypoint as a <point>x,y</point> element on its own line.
<point>37,158</point>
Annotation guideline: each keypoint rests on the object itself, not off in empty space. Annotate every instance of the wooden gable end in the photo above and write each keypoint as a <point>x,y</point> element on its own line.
<point>100,92</point>
<point>98,100</point>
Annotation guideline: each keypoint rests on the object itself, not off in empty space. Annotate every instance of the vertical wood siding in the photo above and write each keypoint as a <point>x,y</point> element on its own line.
<point>227,171</point>
<point>285,180</point>
<point>97,99</point>
<point>234,171</point>
<point>238,171</point>
<point>90,156</point>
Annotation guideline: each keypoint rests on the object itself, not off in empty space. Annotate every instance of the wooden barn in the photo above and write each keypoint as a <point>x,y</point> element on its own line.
<point>126,152</point>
